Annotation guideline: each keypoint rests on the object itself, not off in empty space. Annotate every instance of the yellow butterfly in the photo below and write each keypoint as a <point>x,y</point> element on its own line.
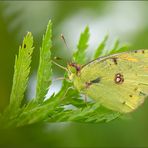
<point>119,81</point>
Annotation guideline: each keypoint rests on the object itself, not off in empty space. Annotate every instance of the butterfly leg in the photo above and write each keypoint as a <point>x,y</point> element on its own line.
<point>60,78</point>
<point>66,93</point>
<point>85,98</point>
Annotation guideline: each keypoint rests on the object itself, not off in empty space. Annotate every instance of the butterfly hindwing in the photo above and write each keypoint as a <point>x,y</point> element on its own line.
<point>119,81</point>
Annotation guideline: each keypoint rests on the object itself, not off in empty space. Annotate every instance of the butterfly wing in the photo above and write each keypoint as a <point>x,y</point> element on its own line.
<point>119,82</point>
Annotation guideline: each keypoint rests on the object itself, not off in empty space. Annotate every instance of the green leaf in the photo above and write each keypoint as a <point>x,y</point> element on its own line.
<point>100,49</point>
<point>115,47</point>
<point>118,48</point>
<point>80,55</point>
<point>123,48</point>
<point>92,113</point>
<point>44,71</point>
<point>66,93</point>
<point>37,113</point>
<point>21,72</point>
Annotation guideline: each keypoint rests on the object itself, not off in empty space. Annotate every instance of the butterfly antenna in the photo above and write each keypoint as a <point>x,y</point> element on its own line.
<point>62,67</point>
<point>60,78</point>
<point>57,58</point>
<point>63,38</point>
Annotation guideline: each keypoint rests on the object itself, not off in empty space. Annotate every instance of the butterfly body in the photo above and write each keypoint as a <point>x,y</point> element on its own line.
<point>119,82</point>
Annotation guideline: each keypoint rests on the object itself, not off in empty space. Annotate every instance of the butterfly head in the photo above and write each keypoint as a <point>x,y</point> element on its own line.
<point>73,70</point>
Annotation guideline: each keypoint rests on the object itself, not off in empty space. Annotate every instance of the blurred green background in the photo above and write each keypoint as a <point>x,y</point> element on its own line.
<point>127,20</point>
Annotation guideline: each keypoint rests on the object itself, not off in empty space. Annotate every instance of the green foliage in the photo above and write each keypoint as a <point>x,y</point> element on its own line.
<point>100,49</point>
<point>79,56</point>
<point>21,72</point>
<point>92,113</point>
<point>67,104</point>
<point>116,48</point>
<point>44,70</point>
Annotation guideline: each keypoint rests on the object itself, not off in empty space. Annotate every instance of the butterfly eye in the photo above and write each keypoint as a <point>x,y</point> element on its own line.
<point>75,68</point>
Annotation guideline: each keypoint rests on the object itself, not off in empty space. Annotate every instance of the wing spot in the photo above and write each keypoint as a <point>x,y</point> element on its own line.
<point>142,93</point>
<point>135,89</point>
<point>119,79</point>
<point>88,84</point>
<point>24,45</point>
<point>115,61</point>
<point>97,80</point>
<point>124,102</point>
<point>135,51</point>
<point>131,96</point>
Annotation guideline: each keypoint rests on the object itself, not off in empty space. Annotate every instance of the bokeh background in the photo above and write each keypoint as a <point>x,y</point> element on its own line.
<point>126,20</point>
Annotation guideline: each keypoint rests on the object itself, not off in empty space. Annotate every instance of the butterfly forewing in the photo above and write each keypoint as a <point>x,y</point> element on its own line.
<point>119,82</point>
